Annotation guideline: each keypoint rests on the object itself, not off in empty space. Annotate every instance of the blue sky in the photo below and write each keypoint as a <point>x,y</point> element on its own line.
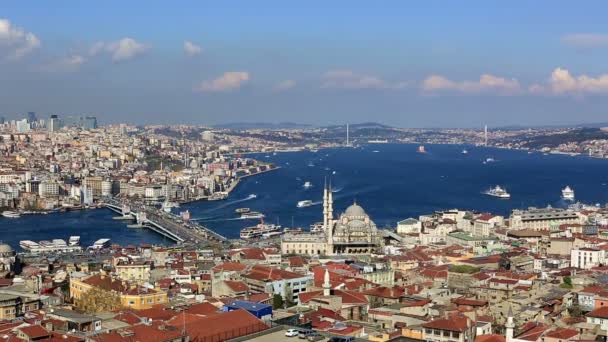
<point>405,63</point>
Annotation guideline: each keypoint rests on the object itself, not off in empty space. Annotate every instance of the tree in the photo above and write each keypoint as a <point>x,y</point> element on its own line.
<point>277,301</point>
<point>567,283</point>
<point>96,300</point>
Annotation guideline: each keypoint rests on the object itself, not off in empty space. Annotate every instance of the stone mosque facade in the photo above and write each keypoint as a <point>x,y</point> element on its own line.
<point>352,233</point>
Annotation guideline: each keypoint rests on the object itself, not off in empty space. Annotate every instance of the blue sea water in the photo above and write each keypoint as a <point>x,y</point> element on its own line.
<point>391,182</point>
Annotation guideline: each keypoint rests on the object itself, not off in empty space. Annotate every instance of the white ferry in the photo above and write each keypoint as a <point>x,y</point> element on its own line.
<point>101,243</point>
<point>378,141</point>
<point>11,214</point>
<point>305,203</point>
<point>568,194</point>
<point>307,185</point>
<point>252,215</point>
<point>55,245</point>
<point>74,240</point>
<point>259,231</point>
<point>499,192</point>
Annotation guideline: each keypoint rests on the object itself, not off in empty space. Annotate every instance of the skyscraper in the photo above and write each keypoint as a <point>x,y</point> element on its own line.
<point>31,117</point>
<point>54,124</point>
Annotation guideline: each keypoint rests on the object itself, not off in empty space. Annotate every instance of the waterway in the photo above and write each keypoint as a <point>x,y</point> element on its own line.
<point>390,181</point>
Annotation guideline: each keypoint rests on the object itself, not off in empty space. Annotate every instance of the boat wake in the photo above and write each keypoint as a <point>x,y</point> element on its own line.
<point>337,190</point>
<point>229,203</point>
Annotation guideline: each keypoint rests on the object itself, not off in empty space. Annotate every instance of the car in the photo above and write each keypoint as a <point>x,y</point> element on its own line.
<point>342,339</point>
<point>292,333</point>
<point>304,333</point>
<point>315,336</point>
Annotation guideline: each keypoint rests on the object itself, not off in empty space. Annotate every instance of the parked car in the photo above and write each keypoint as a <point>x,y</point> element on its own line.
<point>342,339</point>
<point>315,336</point>
<point>304,333</point>
<point>292,333</point>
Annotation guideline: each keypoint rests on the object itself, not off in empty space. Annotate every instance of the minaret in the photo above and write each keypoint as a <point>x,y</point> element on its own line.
<point>325,223</point>
<point>347,135</point>
<point>330,205</point>
<point>326,284</point>
<point>509,326</point>
<point>485,135</point>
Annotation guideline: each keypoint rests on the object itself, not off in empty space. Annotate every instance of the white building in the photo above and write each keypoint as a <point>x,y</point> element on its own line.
<point>409,226</point>
<point>586,258</point>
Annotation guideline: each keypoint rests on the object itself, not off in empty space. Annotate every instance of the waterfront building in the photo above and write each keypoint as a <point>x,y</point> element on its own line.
<point>351,234</point>
<point>542,218</point>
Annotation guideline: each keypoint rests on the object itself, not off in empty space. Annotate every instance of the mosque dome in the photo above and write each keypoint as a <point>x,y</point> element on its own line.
<point>355,210</point>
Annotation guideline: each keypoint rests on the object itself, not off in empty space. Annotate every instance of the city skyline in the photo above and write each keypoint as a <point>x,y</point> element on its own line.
<point>424,64</point>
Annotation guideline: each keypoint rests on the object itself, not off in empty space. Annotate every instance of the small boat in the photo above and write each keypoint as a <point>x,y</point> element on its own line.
<point>311,164</point>
<point>307,185</point>
<point>333,172</point>
<point>11,214</point>
<point>464,151</point>
<point>568,194</point>
<point>252,215</point>
<point>499,192</point>
<point>375,151</point>
<point>242,210</point>
<point>421,149</point>
<point>304,204</point>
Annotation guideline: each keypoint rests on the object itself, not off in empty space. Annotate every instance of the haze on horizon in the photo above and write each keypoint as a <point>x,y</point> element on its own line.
<point>407,64</point>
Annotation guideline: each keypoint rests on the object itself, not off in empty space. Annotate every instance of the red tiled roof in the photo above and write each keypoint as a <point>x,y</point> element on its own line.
<point>205,309</point>
<point>532,331</point>
<point>34,331</point>
<point>229,267</point>
<point>490,338</point>
<point>562,333</point>
<point>224,326</point>
<point>452,324</point>
<point>601,312</point>
<point>236,286</point>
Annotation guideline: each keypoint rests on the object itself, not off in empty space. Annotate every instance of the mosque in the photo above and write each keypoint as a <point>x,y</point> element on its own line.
<point>353,233</point>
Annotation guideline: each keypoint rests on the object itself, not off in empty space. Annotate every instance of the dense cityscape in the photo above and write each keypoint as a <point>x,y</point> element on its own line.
<point>395,171</point>
<point>451,275</point>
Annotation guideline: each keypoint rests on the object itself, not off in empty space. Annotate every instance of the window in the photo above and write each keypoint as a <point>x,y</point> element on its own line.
<point>131,302</point>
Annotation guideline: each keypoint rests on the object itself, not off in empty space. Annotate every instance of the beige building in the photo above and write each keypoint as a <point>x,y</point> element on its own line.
<point>133,271</point>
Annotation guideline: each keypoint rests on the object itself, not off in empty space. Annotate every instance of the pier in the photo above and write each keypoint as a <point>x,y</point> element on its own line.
<point>167,224</point>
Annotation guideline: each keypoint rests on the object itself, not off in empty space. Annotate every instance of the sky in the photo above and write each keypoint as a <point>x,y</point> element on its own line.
<point>404,63</point>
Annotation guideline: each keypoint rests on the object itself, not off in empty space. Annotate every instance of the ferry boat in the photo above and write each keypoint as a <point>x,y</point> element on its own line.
<point>259,230</point>
<point>304,204</point>
<point>242,210</point>
<point>307,184</point>
<point>11,214</point>
<point>378,141</point>
<point>421,149</point>
<point>101,243</point>
<point>252,215</point>
<point>568,194</point>
<point>499,192</point>
<point>55,245</point>
<point>74,240</point>
<point>316,227</point>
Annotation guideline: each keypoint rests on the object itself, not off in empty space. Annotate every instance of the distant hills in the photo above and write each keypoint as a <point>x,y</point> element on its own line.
<point>262,125</point>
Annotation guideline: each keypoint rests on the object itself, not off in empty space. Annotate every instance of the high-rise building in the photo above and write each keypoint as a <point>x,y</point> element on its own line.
<point>23,126</point>
<point>31,117</point>
<point>88,122</point>
<point>54,124</point>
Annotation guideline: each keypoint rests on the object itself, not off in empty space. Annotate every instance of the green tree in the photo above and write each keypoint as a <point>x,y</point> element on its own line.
<point>567,283</point>
<point>277,301</point>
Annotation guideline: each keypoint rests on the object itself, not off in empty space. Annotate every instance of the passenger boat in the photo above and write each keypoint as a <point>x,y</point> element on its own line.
<point>304,204</point>
<point>499,192</point>
<point>568,194</point>
<point>260,230</point>
<point>11,214</point>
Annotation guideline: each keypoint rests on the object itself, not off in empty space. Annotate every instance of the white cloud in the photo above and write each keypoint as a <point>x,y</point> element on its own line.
<point>67,64</point>
<point>16,42</point>
<point>486,83</point>
<point>191,49</point>
<point>562,82</point>
<point>347,79</point>
<point>120,50</point>
<point>230,80</point>
<point>285,85</point>
<point>585,40</point>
